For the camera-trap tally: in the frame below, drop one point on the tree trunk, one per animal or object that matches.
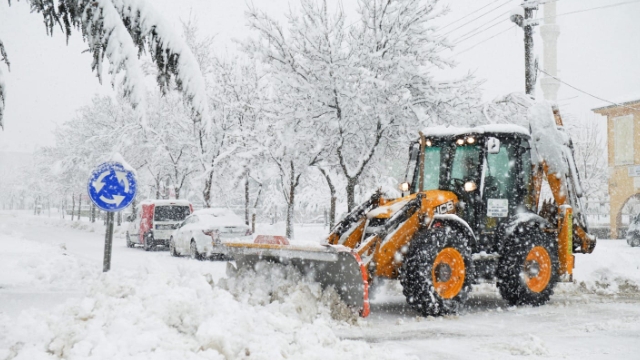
(93, 212)
(206, 193)
(79, 205)
(253, 222)
(332, 212)
(246, 199)
(332, 191)
(351, 193)
(291, 202)
(290, 210)
(176, 190)
(73, 205)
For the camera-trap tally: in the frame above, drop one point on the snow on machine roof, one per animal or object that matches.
(489, 128)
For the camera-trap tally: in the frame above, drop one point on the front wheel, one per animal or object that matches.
(437, 271)
(528, 266)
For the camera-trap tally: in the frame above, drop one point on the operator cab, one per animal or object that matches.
(488, 168)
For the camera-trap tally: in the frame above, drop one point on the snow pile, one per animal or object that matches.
(269, 314)
(29, 264)
(270, 283)
(612, 269)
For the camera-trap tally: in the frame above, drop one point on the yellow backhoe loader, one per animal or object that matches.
(470, 213)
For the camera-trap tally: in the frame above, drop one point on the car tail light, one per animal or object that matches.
(215, 236)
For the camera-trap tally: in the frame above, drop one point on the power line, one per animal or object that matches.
(586, 93)
(473, 32)
(476, 18)
(483, 41)
(469, 14)
(591, 9)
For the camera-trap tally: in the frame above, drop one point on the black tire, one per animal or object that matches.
(516, 276)
(147, 242)
(129, 243)
(172, 248)
(193, 251)
(417, 273)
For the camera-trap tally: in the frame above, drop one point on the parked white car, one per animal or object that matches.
(203, 233)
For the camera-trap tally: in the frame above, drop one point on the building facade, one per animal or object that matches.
(623, 147)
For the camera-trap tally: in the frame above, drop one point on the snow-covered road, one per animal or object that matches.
(56, 303)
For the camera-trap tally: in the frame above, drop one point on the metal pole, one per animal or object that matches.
(529, 62)
(108, 241)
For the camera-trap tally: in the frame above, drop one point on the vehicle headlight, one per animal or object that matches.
(404, 187)
(470, 186)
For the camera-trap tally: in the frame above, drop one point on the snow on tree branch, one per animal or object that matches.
(122, 30)
(169, 51)
(3, 89)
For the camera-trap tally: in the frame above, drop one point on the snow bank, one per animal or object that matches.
(83, 224)
(28, 264)
(271, 313)
(612, 269)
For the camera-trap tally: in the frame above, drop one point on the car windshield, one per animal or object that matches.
(171, 213)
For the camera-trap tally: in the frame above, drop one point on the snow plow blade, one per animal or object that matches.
(330, 265)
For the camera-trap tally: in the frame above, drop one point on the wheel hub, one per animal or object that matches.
(537, 269)
(532, 268)
(443, 272)
(448, 273)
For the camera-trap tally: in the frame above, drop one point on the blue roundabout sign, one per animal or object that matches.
(112, 187)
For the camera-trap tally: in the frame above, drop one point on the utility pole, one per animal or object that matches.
(524, 19)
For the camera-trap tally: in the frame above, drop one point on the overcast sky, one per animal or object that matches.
(598, 52)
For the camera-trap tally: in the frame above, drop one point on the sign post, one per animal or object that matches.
(108, 243)
(112, 188)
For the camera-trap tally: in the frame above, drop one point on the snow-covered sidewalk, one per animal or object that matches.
(56, 303)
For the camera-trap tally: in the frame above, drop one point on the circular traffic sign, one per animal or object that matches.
(111, 187)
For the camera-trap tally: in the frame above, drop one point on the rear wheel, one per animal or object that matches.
(147, 242)
(129, 243)
(194, 251)
(172, 247)
(437, 270)
(528, 267)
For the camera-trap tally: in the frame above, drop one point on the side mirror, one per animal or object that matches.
(493, 145)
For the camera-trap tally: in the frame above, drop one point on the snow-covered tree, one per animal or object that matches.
(590, 156)
(360, 84)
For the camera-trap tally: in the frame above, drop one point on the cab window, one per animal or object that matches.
(465, 163)
(431, 168)
(499, 179)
